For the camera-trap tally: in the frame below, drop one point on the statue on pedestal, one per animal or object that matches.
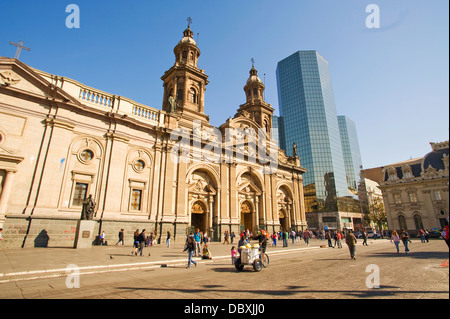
(87, 213)
(294, 149)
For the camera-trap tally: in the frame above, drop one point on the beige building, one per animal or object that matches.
(415, 192)
(162, 170)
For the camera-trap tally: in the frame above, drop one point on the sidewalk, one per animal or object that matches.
(19, 263)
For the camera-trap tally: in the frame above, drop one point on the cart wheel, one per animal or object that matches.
(238, 265)
(257, 265)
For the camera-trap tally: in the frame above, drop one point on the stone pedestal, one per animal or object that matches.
(85, 234)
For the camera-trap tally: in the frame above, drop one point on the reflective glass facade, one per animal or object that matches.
(351, 152)
(308, 112)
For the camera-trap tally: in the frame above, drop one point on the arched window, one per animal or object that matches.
(418, 221)
(192, 95)
(402, 222)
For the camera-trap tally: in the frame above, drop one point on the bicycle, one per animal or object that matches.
(266, 261)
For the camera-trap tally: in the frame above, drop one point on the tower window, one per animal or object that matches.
(192, 96)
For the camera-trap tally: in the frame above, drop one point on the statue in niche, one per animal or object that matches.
(87, 212)
(172, 104)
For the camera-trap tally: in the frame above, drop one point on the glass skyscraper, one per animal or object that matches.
(309, 118)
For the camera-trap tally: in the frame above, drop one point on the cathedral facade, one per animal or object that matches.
(163, 169)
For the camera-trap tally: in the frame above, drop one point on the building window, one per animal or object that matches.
(412, 197)
(418, 221)
(85, 156)
(402, 222)
(397, 199)
(79, 195)
(437, 195)
(139, 165)
(136, 199)
(192, 96)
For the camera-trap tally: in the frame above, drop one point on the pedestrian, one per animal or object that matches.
(141, 239)
(232, 236)
(191, 248)
(120, 238)
(135, 242)
(233, 255)
(197, 243)
(395, 238)
(405, 239)
(206, 253)
(427, 236)
(364, 237)
(306, 236)
(328, 237)
(102, 238)
(168, 239)
(242, 242)
(225, 235)
(274, 239)
(445, 234)
(293, 236)
(350, 240)
(422, 236)
(338, 239)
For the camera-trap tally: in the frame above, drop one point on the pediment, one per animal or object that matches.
(200, 187)
(249, 187)
(20, 78)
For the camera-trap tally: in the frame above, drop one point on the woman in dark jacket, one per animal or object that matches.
(191, 250)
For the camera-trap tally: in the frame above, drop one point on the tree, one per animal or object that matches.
(377, 213)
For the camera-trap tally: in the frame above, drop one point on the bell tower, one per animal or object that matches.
(255, 107)
(184, 83)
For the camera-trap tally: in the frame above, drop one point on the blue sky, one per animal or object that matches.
(392, 81)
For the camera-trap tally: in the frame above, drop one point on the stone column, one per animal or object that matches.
(6, 192)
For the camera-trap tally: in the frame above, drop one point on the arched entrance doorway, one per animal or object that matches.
(198, 216)
(285, 208)
(246, 216)
(284, 220)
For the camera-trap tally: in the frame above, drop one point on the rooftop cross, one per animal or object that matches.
(189, 20)
(253, 62)
(19, 48)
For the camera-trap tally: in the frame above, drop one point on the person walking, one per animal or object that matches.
(306, 236)
(405, 239)
(191, 248)
(135, 242)
(395, 238)
(120, 242)
(350, 240)
(422, 236)
(445, 235)
(225, 235)
(233, 255)
(198, 243)
(141, 239)
(338, 239)
(168, 239)
(364, 237)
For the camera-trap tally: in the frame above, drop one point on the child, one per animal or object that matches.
(233, 255)
(206, 252)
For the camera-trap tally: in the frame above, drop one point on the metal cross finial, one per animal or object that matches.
(19, 48)
(189, 20)
(253, 62)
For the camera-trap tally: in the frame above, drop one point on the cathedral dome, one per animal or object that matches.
(188, 37)
(254, 77)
